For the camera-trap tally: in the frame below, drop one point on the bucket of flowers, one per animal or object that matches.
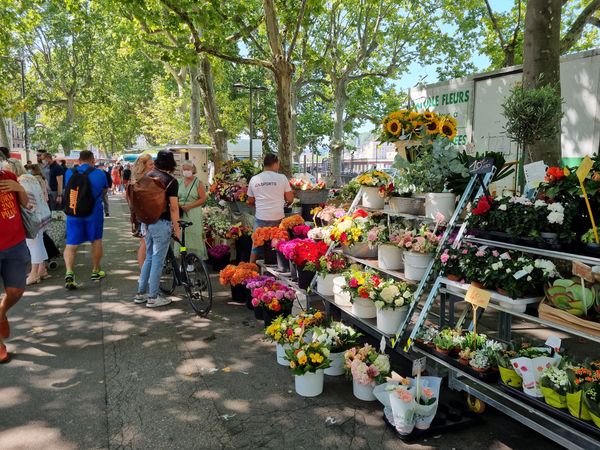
(263, 237)
(216, 221)
(309, 193)
(327, 214)
(392, 300)
(300, 231)
(351, 232)
(235, 276)
(328, 268)
(370, 183)
(306, 254)
(362, 287)
(274, 298)
(286, 250)
(367, 368)
(308, 362)
(288, 223)
(389, 248)
(338, 338)
(419, 246)
(241, 235)
(220, 256)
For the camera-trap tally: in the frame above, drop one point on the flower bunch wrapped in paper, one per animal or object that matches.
(269, 293)
(300, 184)
(391, 294)
(288, 223)
(307, 357)
(373, 178)
(529, 365)
(291, 329)
(268, 234)
(352, 229)
(366, 365)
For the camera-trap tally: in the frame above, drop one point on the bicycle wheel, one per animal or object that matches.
(198, 286)
(167, 277)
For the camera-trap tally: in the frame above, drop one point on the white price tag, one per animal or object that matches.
(554, 342)
(418, 366)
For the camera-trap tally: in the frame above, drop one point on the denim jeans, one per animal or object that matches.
(158, 239)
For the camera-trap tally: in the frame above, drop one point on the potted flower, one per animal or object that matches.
(426, 336)
(419, 246)
(403, 404)
(263, 236)
(581, 378)
(392, 300)
(362, 286)
(529, 363)
(235, 276)
(480, 361)
(400, 195)
(367, 369)
(306, 255)
(309, 193)
(426, 406)
(449, 263)
(389, 250)
(220, 256)
(508, 375)
(338, 338)
(592, 402)
(351, 232)
(241, 235)
(308, 362)
(370, 183)
(275, 298)
(589, 240)
(554, 384)
(328, 267)
(445, 341)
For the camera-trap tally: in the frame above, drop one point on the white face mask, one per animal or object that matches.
(187, 173)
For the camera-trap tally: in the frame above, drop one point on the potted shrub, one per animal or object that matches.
(426, 336)
(308, 362)
(338, 338)
(419, 246)
(370, 183)
(367, 369)
(306, 255)
(444, 341)
(392, 300)
(362, 286)
(328, 267)
(554, 384)
(220, 256)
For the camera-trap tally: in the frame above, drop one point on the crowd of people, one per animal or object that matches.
(30, 195)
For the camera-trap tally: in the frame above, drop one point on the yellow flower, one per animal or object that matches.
(428, 115)
(302, 360)
(413, 115)
(277, 336)
(452, 120)
(394, 127)
(292, 364)
(318, 315)
(416, 123)
(431, 127)
(447, 129)
(316, 358)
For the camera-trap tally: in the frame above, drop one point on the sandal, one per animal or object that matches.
(31, 281)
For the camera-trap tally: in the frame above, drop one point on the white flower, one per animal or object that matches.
(389, 293)
(556, 207)
(497, 265)
(529, 278)
(556, 217)
(528, 269)
(502, 207)
(379, 304)
(344, 225)
(399, 301)
(539, 203)
(382, 363)
(508, 271)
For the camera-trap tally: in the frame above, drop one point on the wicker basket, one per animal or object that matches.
(548, 312)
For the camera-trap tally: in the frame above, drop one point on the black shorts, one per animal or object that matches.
(14, 264)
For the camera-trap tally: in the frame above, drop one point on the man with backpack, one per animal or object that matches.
(85, 186)
(153, 201)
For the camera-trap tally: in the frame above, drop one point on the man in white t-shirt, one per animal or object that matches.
(269, 191)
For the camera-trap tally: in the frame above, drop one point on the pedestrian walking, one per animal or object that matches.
(85, 186)
(36, 171)
(102, 168)
(192, 196)
(143, 164)
(154, 201)
(55, 182)
(269, 191)
(126, 176)
(116, 178)
(14, 255)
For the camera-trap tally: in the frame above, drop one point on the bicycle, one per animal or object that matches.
(188, 271)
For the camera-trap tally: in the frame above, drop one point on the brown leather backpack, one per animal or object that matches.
(147, 199)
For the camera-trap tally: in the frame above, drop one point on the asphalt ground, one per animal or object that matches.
(93, 370)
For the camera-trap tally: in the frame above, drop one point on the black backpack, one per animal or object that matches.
(80, 200)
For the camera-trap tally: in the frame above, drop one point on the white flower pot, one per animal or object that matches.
(415, 265)
(389, 257)
(337, 364)
(389, 320)
(360, 250)
(363, 308)
(363, 391)
(281, 354)
(407, 205)
(340, 297)
(325, 284)
(371, 197)
(310, 384)
(441, 202)
(404, 414)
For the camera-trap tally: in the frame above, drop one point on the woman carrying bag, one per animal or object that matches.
(192, 196)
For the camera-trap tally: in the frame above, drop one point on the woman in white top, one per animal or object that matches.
(40, 207)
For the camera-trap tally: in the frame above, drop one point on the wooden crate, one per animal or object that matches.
(548, 312)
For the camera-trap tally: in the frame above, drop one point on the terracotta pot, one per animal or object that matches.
(464, 362)
(453, 277)
(442, 351)
(477, 284)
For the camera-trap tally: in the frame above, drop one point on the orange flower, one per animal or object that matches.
(290, 222)
(226, 274)
(554, 174)
(234, 275)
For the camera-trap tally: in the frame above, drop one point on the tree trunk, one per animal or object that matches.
(195, 107)
(70, 121)
(283, 90)
(337, 138)
(541, 57)
(4, 139)
(216, 132)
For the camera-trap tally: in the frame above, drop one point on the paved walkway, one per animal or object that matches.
(93, 370)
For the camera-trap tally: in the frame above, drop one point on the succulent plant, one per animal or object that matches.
(479, 360)
(571, 296)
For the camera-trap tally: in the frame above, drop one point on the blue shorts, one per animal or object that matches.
(85, 229)
(14, 262)
(258, 223)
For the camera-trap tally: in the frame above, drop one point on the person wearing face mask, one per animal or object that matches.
(192, 196)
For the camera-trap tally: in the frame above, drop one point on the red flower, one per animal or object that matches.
(363, 292)
(309, 251)
(554, 174)
(360, 213)
(343, 237)
(353, 283)
(483, 205)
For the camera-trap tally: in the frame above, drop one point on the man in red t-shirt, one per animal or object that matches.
(14, 254)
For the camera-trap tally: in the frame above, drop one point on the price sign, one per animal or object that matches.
(418, 366)
(584, 168)
(481, 166)
(478, 297)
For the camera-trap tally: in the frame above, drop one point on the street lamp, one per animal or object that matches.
(25, 126)
(250, 89)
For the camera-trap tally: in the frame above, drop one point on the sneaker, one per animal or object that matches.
(70, 283)
(140, 298)
(158, 301)
(98, 275)
(4, 355)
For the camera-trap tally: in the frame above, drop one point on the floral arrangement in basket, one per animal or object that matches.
(300, 184)
(337, 336)
(269, 293)
(219, 251)
(408, 124)
(362, 284)
(291, 329)
(332, 263)
(352, 229)
(235, 275)
(421, 240)
(237, 231)
(366, 366)
(268, 234)
(392, 294)
(373, 178)
(288, 223)
(308, 357)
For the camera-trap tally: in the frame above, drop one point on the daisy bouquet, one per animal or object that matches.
(308, 357)
(366, 366)
(393, 294)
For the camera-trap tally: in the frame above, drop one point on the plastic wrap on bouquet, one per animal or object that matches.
(530, 370)
(403, 408)
(424, 414)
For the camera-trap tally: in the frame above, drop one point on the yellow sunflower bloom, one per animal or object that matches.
(431, 127)
(428, 115)
(393, 127)
(447, 129)
(413, 115)
(452, 120)
(292, 364)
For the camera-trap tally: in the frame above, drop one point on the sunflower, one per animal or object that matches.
(428, 115)
(394, 127)
(395, 115)
(452, 120)
(431, 127)
(413, 115)
(416, 124)
(447, 129)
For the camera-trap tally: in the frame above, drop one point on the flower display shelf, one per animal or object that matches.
(487, 377)
(561, 432)
(391, 213)
(512, 304)
(451, 416)
(374, 264)
(561, 414)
